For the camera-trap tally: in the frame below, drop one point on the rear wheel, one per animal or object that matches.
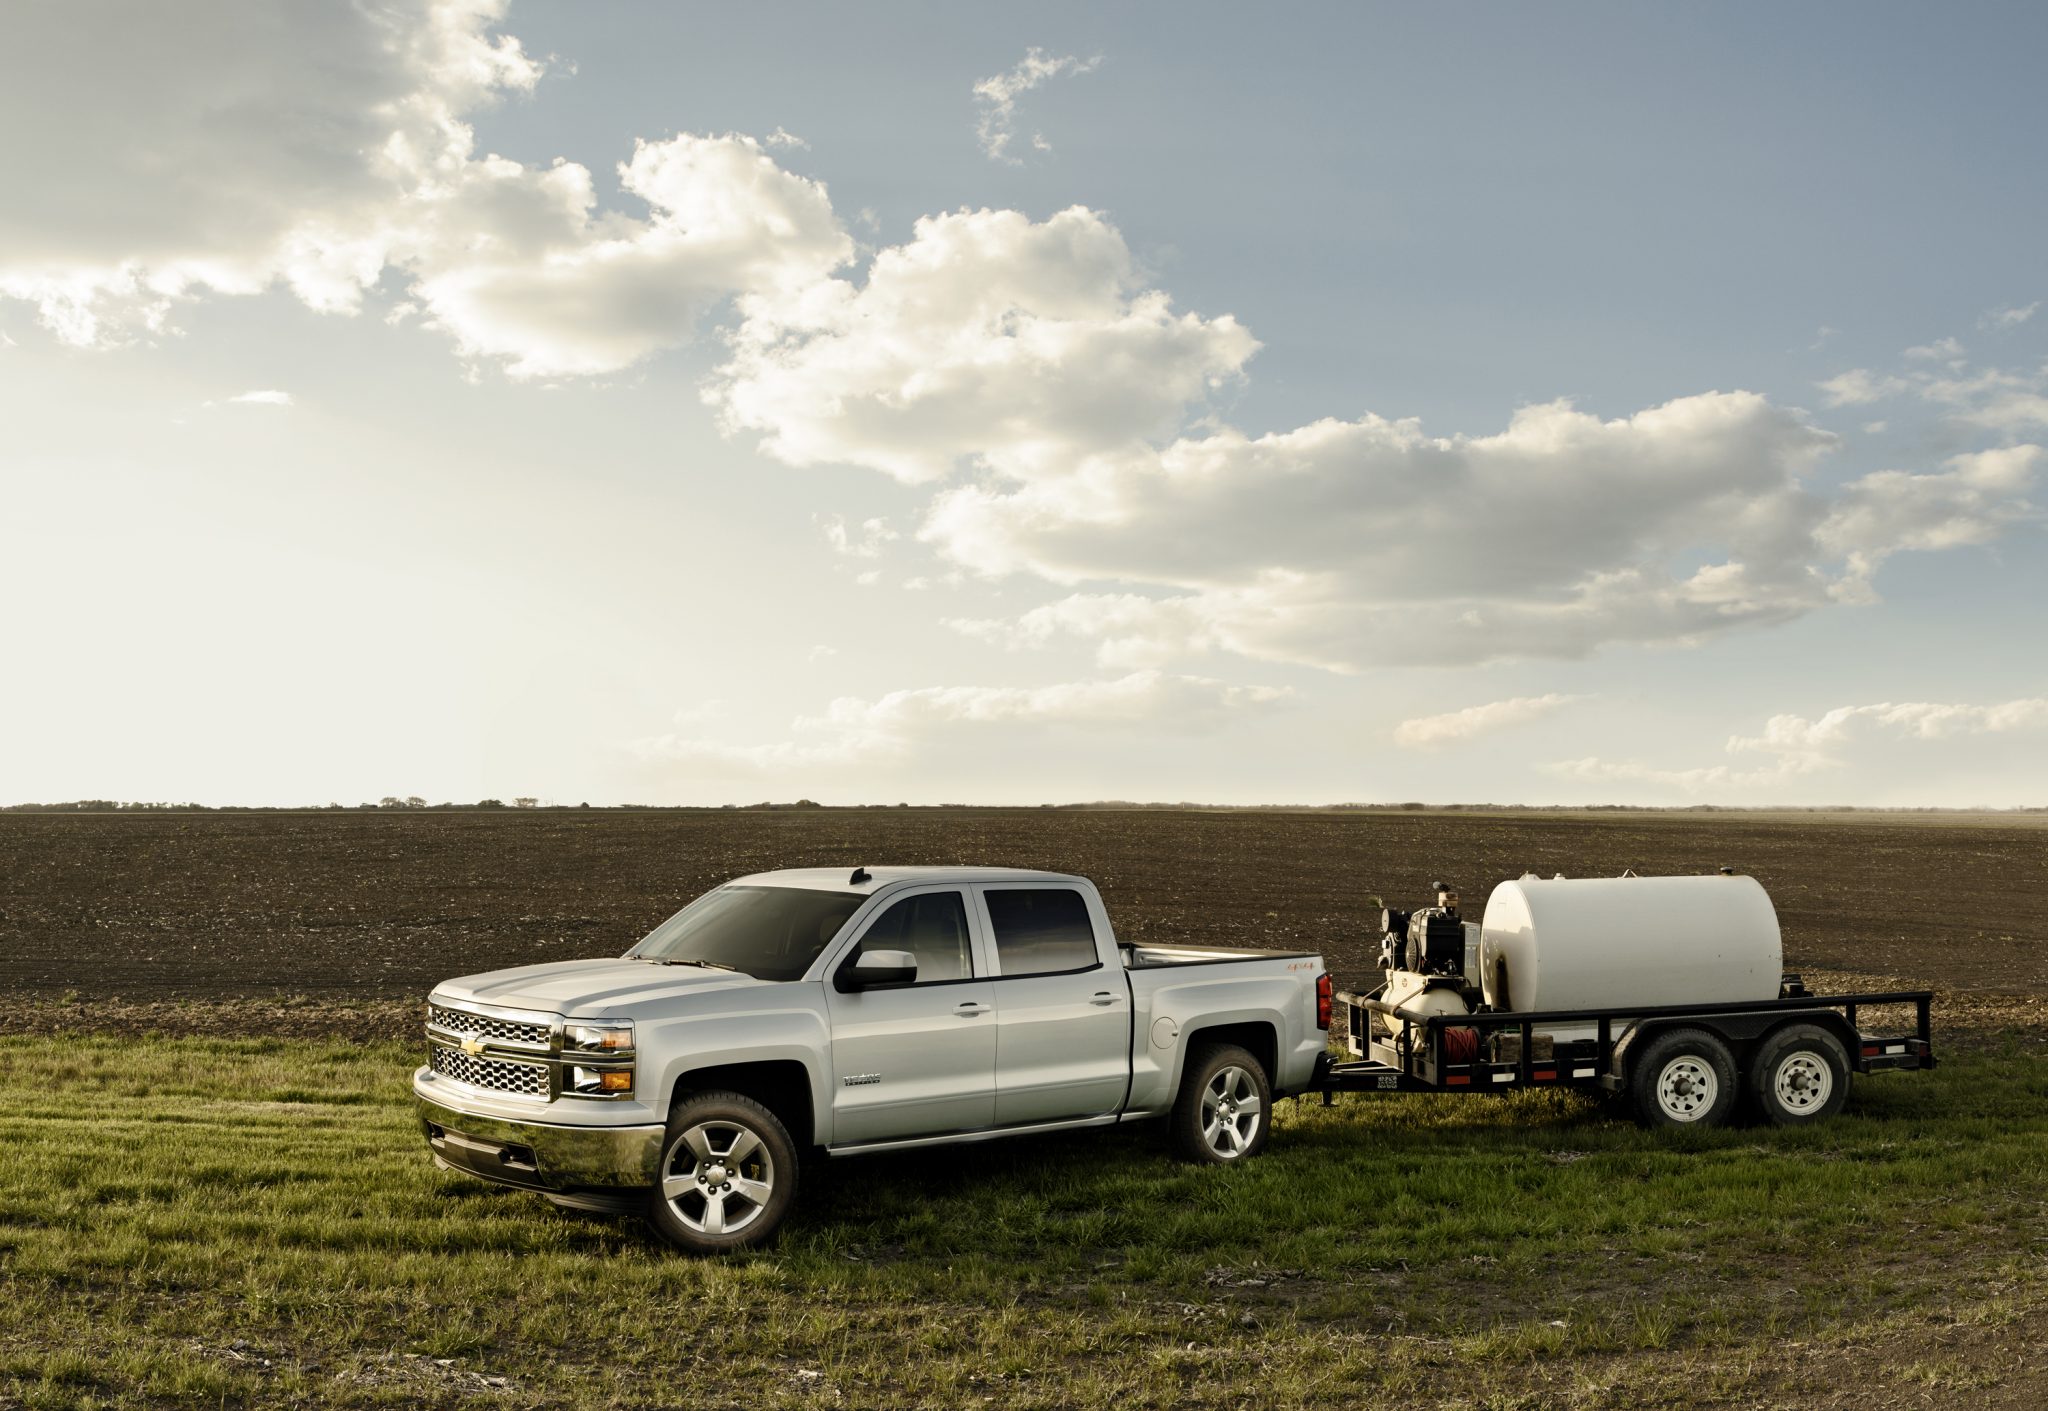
(1800, 1074)
(727, 1175)
(1684, 1078)
(1225, 1108)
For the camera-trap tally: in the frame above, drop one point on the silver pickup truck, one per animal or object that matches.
(812, 1009)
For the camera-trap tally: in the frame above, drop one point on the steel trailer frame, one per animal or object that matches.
(1383, 1063)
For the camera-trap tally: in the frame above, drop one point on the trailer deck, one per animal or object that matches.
(1390, 1062)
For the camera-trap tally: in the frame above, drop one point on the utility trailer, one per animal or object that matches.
(1778, 1047)
(1673, 1000)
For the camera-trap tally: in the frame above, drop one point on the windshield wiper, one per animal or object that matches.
(707, 964)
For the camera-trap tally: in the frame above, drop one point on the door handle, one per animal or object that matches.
(1104, 997)
(970, 1009)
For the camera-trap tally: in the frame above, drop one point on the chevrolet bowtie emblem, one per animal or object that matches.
(473, 1045)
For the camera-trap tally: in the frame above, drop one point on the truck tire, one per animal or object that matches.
(1683, 1078)
(1225, 1107)
(1800, 1074)
(726, 1177)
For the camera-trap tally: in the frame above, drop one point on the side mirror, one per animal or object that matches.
(876, 968)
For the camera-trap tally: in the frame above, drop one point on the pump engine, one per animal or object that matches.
(1427, 941)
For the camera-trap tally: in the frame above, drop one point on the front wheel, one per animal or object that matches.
(727, 1175)
(1684, 1078)
(1225, 1108)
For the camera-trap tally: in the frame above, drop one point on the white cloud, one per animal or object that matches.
(1990, 399)
(516, 264)
(864, 541)
(2011, 317)
(1431, 731)
(242, 144)
(1022, 344)
(1941, 350)
(1977, 498)
(997, 97)
(1922, 720)
(267, 398)
(1341, 544)
(781, 137)
(857, 731)
(1859, 387)
(1026, 366)
(227, 147)
(1803, 748)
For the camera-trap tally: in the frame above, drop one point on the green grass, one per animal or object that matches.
(189, 1221)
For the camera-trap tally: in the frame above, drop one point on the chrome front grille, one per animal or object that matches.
(537, 1033)
(499, 1075)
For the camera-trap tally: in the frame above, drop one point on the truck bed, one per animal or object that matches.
(1157, 957)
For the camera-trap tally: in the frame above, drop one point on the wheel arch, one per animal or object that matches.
(782, 1085)
(1258, 1037)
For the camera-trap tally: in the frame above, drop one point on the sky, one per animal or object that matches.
(692, 404)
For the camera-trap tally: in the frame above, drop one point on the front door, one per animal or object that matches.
(915, 1060)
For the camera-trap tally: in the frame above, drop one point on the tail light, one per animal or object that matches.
(1323, 996)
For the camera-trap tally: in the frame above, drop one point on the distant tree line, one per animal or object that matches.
(413, 803)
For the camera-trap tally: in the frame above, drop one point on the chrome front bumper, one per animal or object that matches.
(538, 1156)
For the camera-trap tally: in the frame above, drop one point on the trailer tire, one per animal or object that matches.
(1800, 1074)
(1683, 1078)
(727, 1175)
(1225, 1108)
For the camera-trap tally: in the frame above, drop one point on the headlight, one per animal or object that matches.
(598, 1038)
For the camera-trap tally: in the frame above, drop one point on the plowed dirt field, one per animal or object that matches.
(361, 907)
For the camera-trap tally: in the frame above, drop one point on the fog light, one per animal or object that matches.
(607, 1081)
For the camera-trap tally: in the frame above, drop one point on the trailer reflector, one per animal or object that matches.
(1457, 1080)
(1503, 1077)
(1543, 1075)
(1582, 1072)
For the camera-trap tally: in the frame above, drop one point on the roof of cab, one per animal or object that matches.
(835, 879)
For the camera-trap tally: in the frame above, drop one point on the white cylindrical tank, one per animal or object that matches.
(1617, 942)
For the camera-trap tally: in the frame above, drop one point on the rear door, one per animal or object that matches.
(916, 1060)
(1063, 1021)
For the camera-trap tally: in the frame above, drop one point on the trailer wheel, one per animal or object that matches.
(727, 1175)
(1225, 1107)
(1683, 1078)
(1800, 1074)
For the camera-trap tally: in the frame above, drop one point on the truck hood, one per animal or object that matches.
(592, 988)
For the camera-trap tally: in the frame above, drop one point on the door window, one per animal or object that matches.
(1040, 930)
(933, 927)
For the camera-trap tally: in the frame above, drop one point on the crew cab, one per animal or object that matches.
(851, 1013)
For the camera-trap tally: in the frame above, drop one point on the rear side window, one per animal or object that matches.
(1041, 931)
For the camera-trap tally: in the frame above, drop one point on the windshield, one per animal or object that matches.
(770, 933)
